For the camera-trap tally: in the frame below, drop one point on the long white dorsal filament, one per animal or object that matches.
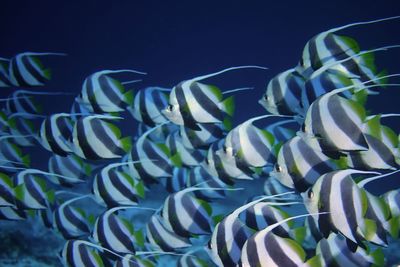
(199, 78)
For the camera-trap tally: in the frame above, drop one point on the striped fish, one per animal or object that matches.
(224, 170)
(71, 166)
(148, 104)
(132, 261)
(94, 138)
(23, 131)
(382, 148)
(103, 94)
(347, 204)
(198, 175)
(116, 188)
(4, 78)
(189, 157)
(191, 102)
(283, 94)
(186, 215)
(261, 215)
(161, 163)
(117, 233)
(392, 198)
(11, 155)
(7, 195)
(31, 191)
(299, 165)
(78, 110)
(161, 237)
(178, 180)
(55, 133)
(159, 134)
(71, 221)
(12, 214)
(229, 236)
(22, 101)
(249, 145)
(203, 138)
(327, 47)
(25, 69)
(333, 251)
(272, 186)
(265, 248)
(77, 253)
(334, 123)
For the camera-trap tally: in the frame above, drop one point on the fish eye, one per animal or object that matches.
(278, 167)
(310, 193)
(266, 97)
(303, 127)
(207, 161)
(170, 107)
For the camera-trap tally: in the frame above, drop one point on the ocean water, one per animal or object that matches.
(172, 41)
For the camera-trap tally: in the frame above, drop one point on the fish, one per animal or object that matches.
(229, 236)
(264, 248)
(117, 188)
(299, 165)
(333, 251)
(12, 214)
(191, 102)
(198, 175)
(382, 147)
(95, 138)
(56, 132)
(11, 155)
(336, 192)
(4, 77)
(147, 105)
(327, 47)
(161, 237)
(249, 145)
(116, 233)
(189, 157)
(283, 94)
(7, 194)
(71, 166)
(26, 70)
(178, 180)
(77, 253)
(186, 215)
(72, 221)
(102, 94)
(203, 138)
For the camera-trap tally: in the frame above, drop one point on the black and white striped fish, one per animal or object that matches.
(191, 102)
(334, 123)
(25, 69)
(117, 233)
(4, 77)
(161, 163)
(12, 214)
(178, 181)
(299, 165)
(198, 175)
(338, 194)
(160, 236)
(382, 148)
(11, 155)
(112, 187)
(7, 194)
(132, 261)
(203, 138)
(23, 131)
(160, 132)
(55, 133)
(334, 251)
(148, 104)
(392, 198)
(186, 215)
(103, 94)
(189, 157)
(249, 145)
(71, 166)
(265, 249)
(77, 253)
(71, 221)
(261, 215)
(229, 236)
(327, 47)
(94, 138)
(283, 94)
